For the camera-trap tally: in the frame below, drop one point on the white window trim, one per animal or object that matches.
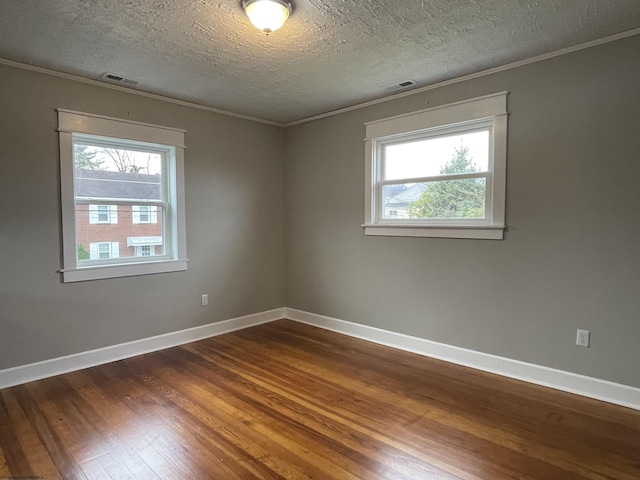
(70, 122)
(491, 107)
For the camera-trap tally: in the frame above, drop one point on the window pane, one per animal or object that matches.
(102, 172)
(103, 213)
(459, 153)
(144, 214)
(104, 250)
(122, 236)
(442, 199)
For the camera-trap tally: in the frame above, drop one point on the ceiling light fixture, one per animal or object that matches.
(267, 15)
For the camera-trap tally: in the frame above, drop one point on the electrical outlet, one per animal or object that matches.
(205, 300)
(583, 338)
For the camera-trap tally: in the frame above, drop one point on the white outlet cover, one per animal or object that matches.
(583, 338)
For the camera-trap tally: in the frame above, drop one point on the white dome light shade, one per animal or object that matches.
(267, 15)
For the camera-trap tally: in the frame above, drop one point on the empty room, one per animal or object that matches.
(304, 239)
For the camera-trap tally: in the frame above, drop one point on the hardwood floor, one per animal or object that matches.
(285, 400)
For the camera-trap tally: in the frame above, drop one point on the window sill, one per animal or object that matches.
(116, 271)
(480, 232)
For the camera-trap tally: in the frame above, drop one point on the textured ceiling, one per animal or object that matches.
(330, 54)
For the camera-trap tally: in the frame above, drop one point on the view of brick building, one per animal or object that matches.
(117, 230)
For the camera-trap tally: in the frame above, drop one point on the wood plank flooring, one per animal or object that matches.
(289, 401)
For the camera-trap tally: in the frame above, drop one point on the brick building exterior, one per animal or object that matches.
(110, 231)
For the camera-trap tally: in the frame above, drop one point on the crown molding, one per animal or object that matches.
(155, 96)
(471, 76)
(452, 81)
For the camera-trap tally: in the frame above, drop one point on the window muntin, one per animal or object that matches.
(439, 172)
(83, 198)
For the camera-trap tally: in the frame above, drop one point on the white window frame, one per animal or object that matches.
(122, 133)
(487, 111)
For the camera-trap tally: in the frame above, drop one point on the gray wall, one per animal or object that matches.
(571, 257)
(235, 225)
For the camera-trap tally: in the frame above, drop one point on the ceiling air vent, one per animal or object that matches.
(113, 78)
(399, 86)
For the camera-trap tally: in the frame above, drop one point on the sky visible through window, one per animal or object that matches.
(120, 159)
(425, 158)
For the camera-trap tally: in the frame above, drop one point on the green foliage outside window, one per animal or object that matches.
(462, 198)
(82, 253)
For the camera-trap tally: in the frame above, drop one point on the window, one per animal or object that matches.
(104, 250)
(121, 183)
(103, 214)
(439, 172)
(145, 251)
(144, 214)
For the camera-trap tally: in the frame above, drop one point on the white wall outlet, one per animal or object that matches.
(205, 300)
(583, 338)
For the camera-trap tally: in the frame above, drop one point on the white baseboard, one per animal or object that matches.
(616, 393)
(560, 380)
(49, 368)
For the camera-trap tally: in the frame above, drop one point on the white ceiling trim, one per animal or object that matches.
(464, 78)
